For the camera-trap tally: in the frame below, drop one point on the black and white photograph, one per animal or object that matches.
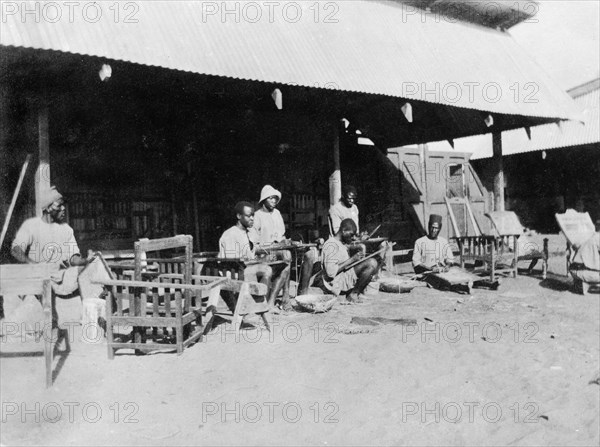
(300, 223)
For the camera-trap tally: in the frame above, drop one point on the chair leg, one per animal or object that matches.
(48, 353)
(544, 268)
(179, 338)
(237, 324)
(266, 321)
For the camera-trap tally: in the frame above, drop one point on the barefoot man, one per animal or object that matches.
(338, 274)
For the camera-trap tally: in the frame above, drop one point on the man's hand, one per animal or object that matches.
(364, 236)
(358, 256)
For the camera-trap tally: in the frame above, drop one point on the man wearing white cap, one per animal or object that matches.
(269, 228)
(48, 239)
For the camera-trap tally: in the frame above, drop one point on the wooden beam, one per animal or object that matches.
(335, 179)
(42, 174)
(191, 178)
(498, 172)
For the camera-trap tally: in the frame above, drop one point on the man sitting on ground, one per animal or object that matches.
(432, 253)
(585, 267)
(268, 229)
(344, 209)
(338, 275)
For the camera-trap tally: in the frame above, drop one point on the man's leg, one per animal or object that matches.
(279, 283)
(364, 272)
(260, 273)
(308, 262)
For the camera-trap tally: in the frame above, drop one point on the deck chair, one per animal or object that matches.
(577, 228)
(31, 279)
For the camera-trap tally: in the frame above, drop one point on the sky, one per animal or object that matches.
(563, 38)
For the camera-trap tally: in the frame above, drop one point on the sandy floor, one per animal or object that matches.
(511, 367)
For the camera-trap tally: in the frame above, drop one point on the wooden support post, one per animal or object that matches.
(335, 179)
(498, 172)
(195, 208)
(5, 190)
(424, 184)
(42, 174)
(173, 211)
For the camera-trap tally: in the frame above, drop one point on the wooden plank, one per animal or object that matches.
(505, 223)
(20, 287)
(577, 227)
(452, 218)
(472, 217)
(145, 321)
(158, 285)
(13, 201)
(27, 271)
(232, 285)
(163, 243)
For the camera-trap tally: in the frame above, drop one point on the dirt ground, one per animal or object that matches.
(517, 366)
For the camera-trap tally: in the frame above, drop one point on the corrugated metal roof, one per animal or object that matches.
(361, 46)
(544, 137)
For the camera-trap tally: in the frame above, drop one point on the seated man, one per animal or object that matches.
(432, 253)
(269, 228)
(585, 267)
(235, 243)
(49, 239)
(337, 275)
(344, 209)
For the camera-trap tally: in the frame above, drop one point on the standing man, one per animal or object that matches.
(49, 239)
(337, 275)
(268, 224)
(432, 253)
(268, 229)
(344, 209)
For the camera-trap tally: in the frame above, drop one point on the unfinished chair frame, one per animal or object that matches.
(34, 279)
(489, 250)
(187, 306)
(151, 305)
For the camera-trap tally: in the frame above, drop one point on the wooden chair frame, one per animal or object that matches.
(157, 305)
(34, 279)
